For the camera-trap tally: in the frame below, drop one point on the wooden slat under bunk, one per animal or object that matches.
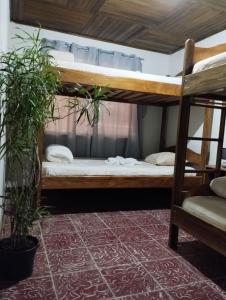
(98, 182)
(207, 84)
(127, 90)
(210, 83)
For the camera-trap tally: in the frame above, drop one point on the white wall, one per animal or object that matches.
(154, 63)
(4, 32)
(175, 66)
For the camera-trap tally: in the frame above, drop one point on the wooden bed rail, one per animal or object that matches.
(206, 84)
(203, 53)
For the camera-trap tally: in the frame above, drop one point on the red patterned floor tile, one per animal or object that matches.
(82, 215)
(87, 285)
(131, 234)
(219, 284)
(109, 214)
(117, 221)
(62, 241)
(165, 241)
(111, 255)
(157, 231)
(163, 215)
(60, 217)
(86, 222)
(157, 295)
(98, 237)
(144, 220)
(70, 260)
(30, 289)
(198, 291)
(41, 267)
(50, 226)
(147, 250)
(130, 279)
(135, 212)
(171, 272)
(40, 244)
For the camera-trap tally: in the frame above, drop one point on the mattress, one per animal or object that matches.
(97, 167)
(210, 62)
(117, 72)
(64, 62)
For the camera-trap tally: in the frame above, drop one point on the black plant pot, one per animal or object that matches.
(16, 265)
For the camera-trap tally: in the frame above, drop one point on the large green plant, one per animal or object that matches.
(29, 82)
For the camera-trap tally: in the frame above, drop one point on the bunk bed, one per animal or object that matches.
(202, 216)
(132, 87)
(123, 86)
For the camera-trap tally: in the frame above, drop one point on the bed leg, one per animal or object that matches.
(173, 236)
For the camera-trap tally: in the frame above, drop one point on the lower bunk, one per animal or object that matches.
(95, 173)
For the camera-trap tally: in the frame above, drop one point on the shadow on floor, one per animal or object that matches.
(72, 201)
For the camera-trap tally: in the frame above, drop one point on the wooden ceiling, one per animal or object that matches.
(156, 25)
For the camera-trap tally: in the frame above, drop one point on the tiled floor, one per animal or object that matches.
(119, 255)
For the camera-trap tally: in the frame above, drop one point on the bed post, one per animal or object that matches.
(220, 142)
(207, 125)
(162, 142)
(181, 145)
(39, 166)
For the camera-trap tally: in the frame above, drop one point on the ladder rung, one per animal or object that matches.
(203, 139)
(201, 171)
(208, 106)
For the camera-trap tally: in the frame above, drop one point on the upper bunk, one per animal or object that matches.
(206, 77)
(140, 88)
(122, 85)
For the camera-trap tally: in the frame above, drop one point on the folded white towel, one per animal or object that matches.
(119, 160)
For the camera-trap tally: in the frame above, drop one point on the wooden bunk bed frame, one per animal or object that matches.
(205, 89)
(129, 90)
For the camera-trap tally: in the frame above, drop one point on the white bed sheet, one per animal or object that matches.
(210, 62)
(118, 72)
(97, 167)
(202, 65)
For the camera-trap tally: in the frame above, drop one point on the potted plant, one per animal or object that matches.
(29, 82)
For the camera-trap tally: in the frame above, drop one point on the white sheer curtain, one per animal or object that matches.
(117, 131)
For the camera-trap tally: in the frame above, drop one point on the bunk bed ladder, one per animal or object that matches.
(183, 138)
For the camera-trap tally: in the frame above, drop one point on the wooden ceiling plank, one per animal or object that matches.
(17, 9)
(154, 25)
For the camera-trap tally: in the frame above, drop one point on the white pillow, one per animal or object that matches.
(218, 186)
(161, 158)
(59, 153)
